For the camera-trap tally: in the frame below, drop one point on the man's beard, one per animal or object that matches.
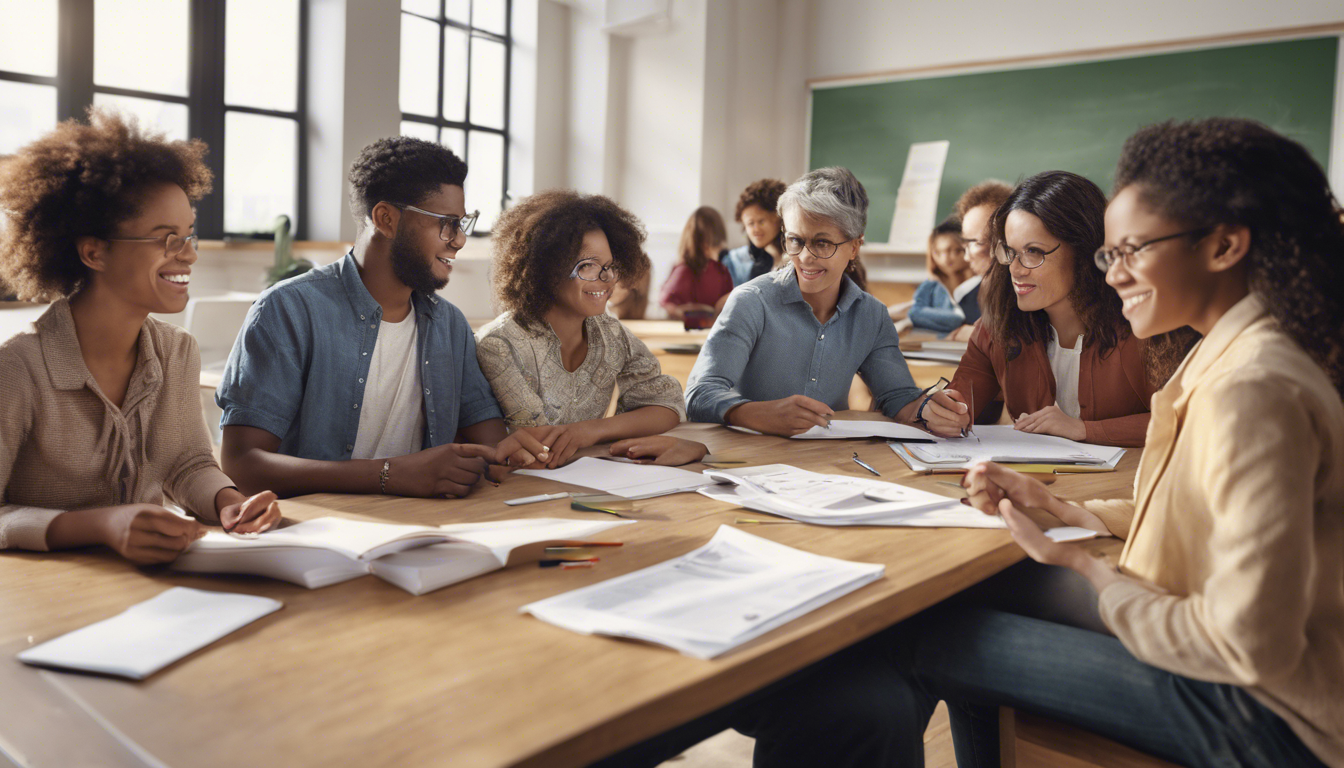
(412, 268)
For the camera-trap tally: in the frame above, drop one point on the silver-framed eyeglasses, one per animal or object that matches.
(449, 226)
(820, 247)
(592, 271)
(173, 244)
(1030, 257)
(1106, 257)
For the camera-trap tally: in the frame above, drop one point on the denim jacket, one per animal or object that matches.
(298, 367)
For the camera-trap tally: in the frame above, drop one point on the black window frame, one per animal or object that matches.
(206, 108)
(466, 125)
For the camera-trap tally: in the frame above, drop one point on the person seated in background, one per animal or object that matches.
(554, 357)
(356, 377)
(756, 212)
(974, 208)
(699, 284)
(100, 409)
(629, 298)
(1053, 341)
(938, 304)
(783, 354)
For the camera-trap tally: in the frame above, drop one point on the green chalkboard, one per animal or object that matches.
(1074, 117)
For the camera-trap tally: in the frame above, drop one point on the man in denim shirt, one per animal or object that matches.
(355, 377)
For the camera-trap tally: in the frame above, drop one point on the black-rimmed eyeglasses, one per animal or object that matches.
(449, 226)
(821, 247)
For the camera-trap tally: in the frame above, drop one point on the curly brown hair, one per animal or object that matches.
(1239, 172)
(989, 192)
(82, 180)
(764, 193)
(537, 241)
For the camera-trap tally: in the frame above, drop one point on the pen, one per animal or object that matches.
(542, 497)
(590, 508)
(865, 464)
(584, 544)
(565, 565)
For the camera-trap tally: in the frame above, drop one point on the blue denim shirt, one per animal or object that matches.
(298, 367)
(767, 345)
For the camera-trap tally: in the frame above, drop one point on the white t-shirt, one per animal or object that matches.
(392, 416)
(1064, 363)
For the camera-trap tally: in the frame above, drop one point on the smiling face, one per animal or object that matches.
(761, 226)
(1166, 285)
(949, 254)
(818, 276)
(1051, 282)
(587, 298)
(975, 237)
(420, 258)
(140, 273)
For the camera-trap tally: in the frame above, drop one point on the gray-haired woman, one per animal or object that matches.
(782, 355)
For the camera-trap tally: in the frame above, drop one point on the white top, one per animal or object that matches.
(392, 416)
(1064, 364)
(966, 287)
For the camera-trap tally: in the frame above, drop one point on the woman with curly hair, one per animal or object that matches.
(100, 411)
(756, 212)
(1052, 340)
(554, 357)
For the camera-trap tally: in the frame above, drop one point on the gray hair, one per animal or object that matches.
(832, 194)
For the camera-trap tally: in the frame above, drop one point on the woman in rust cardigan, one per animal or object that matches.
(1052, 340)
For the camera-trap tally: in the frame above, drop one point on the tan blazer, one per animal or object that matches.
(1236, 532)
(1113, 390)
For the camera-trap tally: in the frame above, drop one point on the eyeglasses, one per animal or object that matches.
(1105, 257)
(1031, 257)
(173, 244)
(450, 226)
(821, 248)
(593, 271)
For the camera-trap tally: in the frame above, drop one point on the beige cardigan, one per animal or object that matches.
(64, 446)
(1236, 531)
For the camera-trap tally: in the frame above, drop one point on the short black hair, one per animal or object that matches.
(402, 170)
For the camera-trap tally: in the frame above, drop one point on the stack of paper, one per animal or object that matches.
(813, 497)
(937, 351)
(149, 636)
(732, 590)
(629, 481)
(1005, 445)
(858, 430)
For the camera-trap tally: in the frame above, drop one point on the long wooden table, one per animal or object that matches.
(362, 673)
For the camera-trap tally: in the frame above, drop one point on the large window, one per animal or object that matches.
(229, 72)
(455, 89)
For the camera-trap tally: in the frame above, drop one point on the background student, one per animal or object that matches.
(355, 377)
(1053, 341)
(756, 212)
(938, 303)
(784, 352)
(100, 411)
(554, 357)
(698, 282)
(974, 208)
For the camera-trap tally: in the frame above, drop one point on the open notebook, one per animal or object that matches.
(1003, 444)
(419, 559)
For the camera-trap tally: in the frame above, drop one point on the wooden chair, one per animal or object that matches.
(1031, 741)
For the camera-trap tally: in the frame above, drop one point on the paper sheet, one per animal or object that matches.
(629, 481)
(1004, 444)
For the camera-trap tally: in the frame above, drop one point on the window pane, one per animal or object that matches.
(459, 10)
(260, 170)
(28, 46)
(423, 7)
(456, 140)
(454, 73)
(261, 63)
(164, 115)
(420, 131)
(419, 65)
(487, 83)
(26, 112)
(485, 176)
(489, 15)
(141, 44)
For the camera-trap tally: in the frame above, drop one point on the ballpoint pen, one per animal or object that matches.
(865, 464)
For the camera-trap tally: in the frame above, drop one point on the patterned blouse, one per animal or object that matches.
(533, 388)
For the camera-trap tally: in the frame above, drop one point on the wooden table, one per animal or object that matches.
(362, 673)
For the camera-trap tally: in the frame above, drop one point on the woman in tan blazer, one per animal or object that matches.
(1052, 341)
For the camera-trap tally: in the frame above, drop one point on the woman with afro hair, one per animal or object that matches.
(100, 412)
(554, 357)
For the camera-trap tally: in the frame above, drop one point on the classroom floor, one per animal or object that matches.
(731, 749)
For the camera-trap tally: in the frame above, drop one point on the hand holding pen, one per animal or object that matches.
(942, 411)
